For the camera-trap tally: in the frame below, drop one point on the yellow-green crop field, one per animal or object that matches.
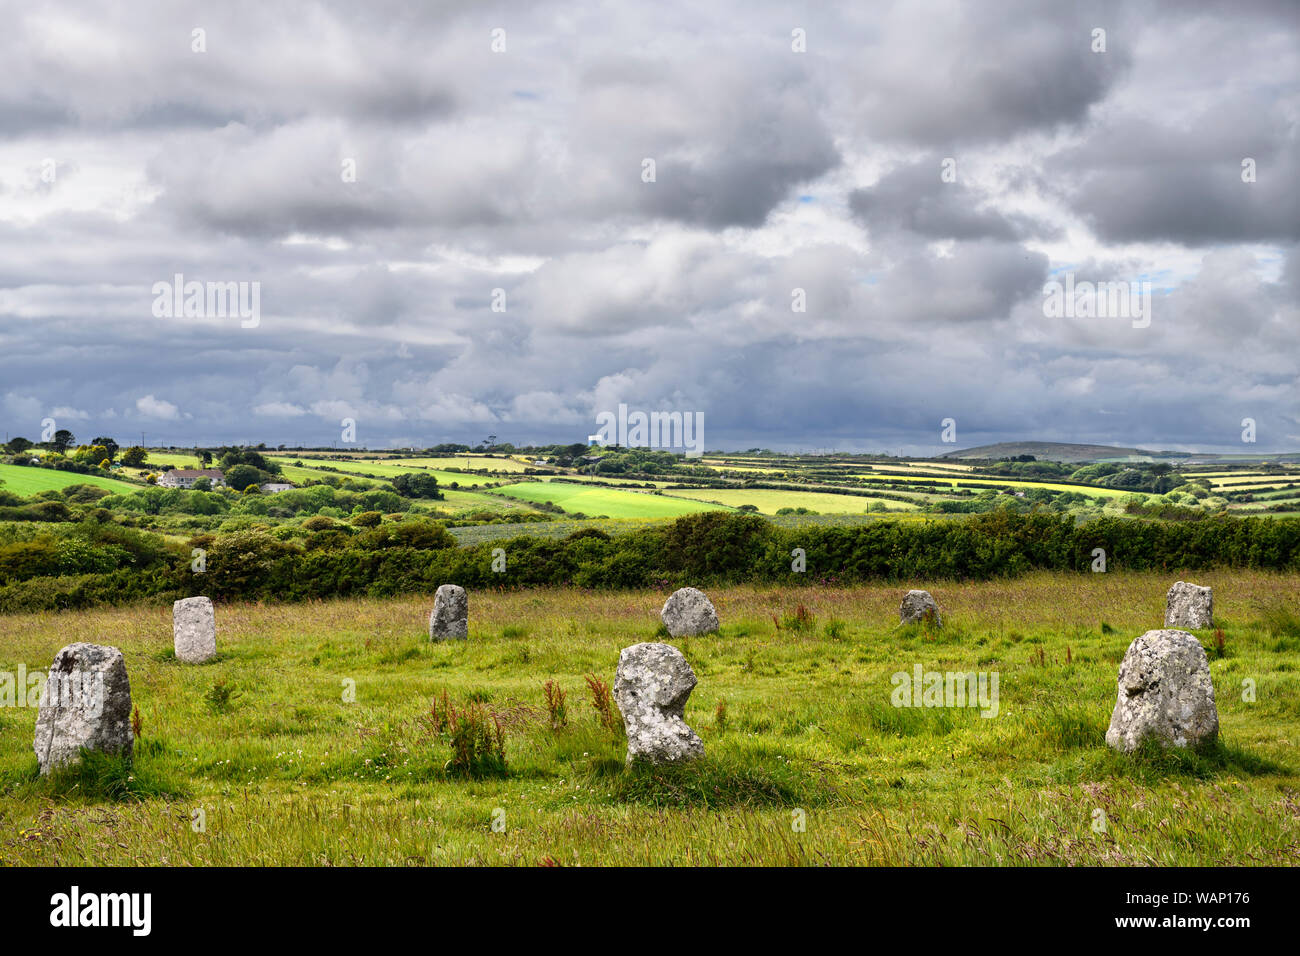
(611, 502)
(770, 501)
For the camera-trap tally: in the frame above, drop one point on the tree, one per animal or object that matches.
(417, 485)
(110, 446)
(63, 439)
(205, 457)
(240, 477)
(18, 444)
(203, 484)
(135, 457)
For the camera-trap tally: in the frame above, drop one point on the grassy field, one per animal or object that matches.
(979, 483)
(495, 463)
(456, 502)
(610, 502)
(796, 719)
(22, 480)
(313, 470)
(769, 501)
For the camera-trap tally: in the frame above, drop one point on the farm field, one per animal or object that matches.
(770, 501)
(611, 502)
(495, 463)
(796, 719)
(975, 482)
(312, 470)
(456, 501)
(24, 480)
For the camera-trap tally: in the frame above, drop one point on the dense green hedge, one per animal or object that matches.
(704, 549)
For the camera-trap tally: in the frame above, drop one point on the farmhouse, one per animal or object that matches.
(271, 487)
(185, 477)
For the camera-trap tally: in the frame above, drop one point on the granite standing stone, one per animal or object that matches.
(450, 617)
(1189, 605)
(688, 612)
(86, 703)
(194, 630)
(919, 606)
(1165, 694)
(651, 688)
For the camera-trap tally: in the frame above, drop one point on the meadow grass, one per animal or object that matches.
(609, 502)
(807, 760)
(25, 480)
(769, 501)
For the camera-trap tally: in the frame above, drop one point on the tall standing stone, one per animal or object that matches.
(450, 617)
(651, 688)
(194, 630)
(919, 606)
(1189, 605)
(1164, 693)
(688, 612)
(86, 703)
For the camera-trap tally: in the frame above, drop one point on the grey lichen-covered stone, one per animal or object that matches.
(651, 688)
(86, 703)
(194, 630)
(1165, 693)
(450, 617)
(688, 612)
(1189, 605)
(919, 606)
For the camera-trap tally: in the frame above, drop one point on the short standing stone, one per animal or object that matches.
(194, 630)
(688, 612)
(1165, 693)
(450, 617)
(1189, 605)
(86, 703)
(651, 688)
(919, 606)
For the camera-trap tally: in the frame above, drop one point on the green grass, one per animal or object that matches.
(457, 502)
(287, 771)
(314, 469)
(610, 502)
(24, 480)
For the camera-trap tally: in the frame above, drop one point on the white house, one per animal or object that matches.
(185, 477)
(271, 487)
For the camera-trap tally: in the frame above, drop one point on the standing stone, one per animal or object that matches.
(1165, 693)
(1189, 605)
(651, 688)
(194, 630)
(688, 612)
(919, 606)
(86, 702)
(450, 617)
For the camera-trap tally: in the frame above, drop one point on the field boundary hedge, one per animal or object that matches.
(710, 548)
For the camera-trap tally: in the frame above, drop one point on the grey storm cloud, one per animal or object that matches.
(499, 265)
(916, 199)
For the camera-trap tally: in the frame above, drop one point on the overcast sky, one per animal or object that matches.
(127, 157)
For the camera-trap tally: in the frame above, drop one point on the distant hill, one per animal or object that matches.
(1056, 451)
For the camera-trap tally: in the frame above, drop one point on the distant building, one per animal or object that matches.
(271, 487)
(593, 440)
(185, 477)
